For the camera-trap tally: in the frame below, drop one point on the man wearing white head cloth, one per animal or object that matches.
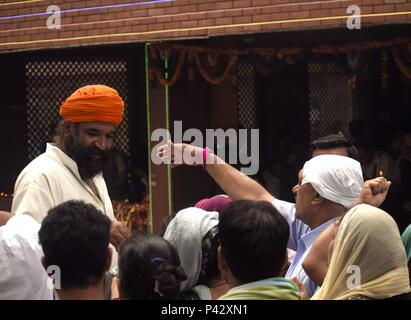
(328, 185)
(336, 178)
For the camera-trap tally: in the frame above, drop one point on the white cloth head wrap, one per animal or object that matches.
(22, 275)
(336, 178)
(186, 232)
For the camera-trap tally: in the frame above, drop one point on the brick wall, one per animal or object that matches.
(179, 19)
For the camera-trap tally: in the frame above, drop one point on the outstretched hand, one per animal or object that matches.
(180, 153)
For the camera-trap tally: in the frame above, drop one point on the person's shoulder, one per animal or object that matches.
(24, 226)
(284, 207)
(38, 168)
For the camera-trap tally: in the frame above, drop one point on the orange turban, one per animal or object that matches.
(93, 103)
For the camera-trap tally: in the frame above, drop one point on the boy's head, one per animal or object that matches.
(253, 242)
(75, 238)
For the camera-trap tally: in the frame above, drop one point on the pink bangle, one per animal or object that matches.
(206, 152)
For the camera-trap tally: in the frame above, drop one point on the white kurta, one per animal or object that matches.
(51, 179)
(22, 276)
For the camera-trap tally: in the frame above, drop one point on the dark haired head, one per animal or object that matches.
(75, 237)
(253, 238)
(334, 141)
(149, 268)
(330, 141)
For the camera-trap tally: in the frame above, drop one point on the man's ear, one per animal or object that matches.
(109, 258)
(66, 127)
(317, 199)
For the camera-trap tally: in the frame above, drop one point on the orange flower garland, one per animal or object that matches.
(133, 215)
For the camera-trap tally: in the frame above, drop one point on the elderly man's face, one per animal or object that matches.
(304, 194)
(88, 144)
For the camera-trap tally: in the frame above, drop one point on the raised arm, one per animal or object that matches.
(374, 191)
(235, 184)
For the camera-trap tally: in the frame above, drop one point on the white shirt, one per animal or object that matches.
(51, 179)
(22, 275)
(301, 240)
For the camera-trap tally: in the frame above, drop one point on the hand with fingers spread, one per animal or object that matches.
(374, 191)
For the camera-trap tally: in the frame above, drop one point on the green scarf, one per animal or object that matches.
(267, 289)
(406, 240)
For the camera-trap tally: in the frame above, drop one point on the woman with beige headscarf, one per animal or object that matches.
(367, 259)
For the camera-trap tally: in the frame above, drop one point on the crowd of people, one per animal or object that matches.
(62, 241)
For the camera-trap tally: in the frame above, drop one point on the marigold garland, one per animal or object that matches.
(133, 215)
(169, 82)
(215, 80)
(287, 54)
(212, 68)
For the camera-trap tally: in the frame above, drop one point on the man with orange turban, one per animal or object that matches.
(71, 168)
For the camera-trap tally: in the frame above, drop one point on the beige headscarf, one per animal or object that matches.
(368, 238)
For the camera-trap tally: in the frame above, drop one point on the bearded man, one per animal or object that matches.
(71, 168)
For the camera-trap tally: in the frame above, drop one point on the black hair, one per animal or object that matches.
(149, 268)
(253, 237)
(209, 263)
(335, 141)
(330, 141)
(75, 237)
